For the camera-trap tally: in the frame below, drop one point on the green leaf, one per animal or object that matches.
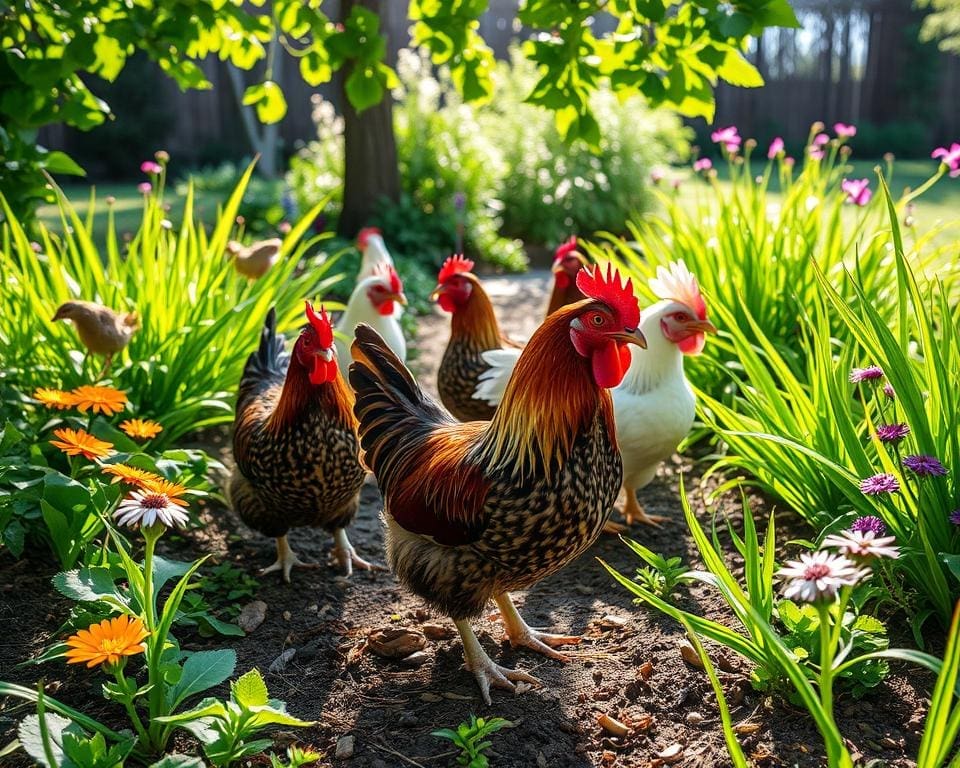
(61, 162)
(31, 738)
(249, 690)
(87, 584)
(364, 88)
(736, 70)
(178, 761)
(201, 670)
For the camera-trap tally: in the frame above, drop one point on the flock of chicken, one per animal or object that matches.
(510, 479)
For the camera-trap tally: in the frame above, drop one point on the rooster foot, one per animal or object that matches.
(521, 634)
(347, 557)
(485, 670)
(286, 560)
(615, 528)
(634, 513)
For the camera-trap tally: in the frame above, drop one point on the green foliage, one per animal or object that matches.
(942, 23)
(296, 757)
(943, 718)
(470, 738)
(200, 319)
(661, 575)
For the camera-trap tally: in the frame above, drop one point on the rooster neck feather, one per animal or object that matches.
(560, 297)
(334, 398)
(551, 399)
(476, 321)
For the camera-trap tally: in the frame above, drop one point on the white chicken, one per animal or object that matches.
(374, 301)
(654, 405)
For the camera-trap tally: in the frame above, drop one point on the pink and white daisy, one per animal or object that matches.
(862, 545)
(146, 507)
(818, 575)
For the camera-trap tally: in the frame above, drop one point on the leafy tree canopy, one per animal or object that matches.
(942, 23)
(673, 52)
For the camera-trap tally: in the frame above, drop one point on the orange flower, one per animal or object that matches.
(107, 642)
(105, 400)
(142, 428)
(54, 398)
(169, 489)
(129, 475)
(76, 442)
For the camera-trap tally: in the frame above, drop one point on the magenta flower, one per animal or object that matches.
(820, 139)
(955, 517)
(728, 136)
(869, 523)
(949, 157)
(858, 191)
(776, 148)
(892, 433)
(148, 166)
(144, 188)
(877, 484)
(925, 466)
(869, 373)
(656, 175)
(703, 164)
(815, 153)
(789, 162)
(888, 390)
(844, 131)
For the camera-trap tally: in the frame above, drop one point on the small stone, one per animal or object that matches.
(280, 663)
(613, 621)
(690, 655)
(671, 754)
(313, 608)
(344, 747)
(408, 720)
(583, 589)
(396, 642)
(416, 659)
(437, 631)
(541, 760)
(746, 728)
(287, 615)
(889, 743)
(252, 616)
(431, 697)
(694, 718)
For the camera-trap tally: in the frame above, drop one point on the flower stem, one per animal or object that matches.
(155, 643)
(826, 660)
(132, 710)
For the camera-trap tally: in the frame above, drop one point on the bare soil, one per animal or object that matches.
(390, 710)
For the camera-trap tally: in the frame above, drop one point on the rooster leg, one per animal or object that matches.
(521, 634)
(633, 512)
(106, 366)
(286, 559)
(483, 667)
(347, 556)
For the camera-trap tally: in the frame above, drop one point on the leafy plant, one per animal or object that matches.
(662, 575)
(470, 738)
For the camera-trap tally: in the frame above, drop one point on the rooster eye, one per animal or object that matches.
(596, 320)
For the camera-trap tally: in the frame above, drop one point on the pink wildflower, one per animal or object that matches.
(144, 188)
(858, 191)
(949, 157)
(148, 166)
(728, 136)
(776, 148)
(844, 131)
(703, 164)
(820, 139)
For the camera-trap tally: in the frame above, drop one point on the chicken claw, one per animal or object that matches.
(483, 667)
(633, 512)
(347, 556)
(521, 634)
(286, 560)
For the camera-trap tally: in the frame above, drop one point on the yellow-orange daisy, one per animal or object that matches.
(171, 490)
(54, 398)
(129, 475)
(77, 442)
(105, 400)
(107, 642)
(141, 428)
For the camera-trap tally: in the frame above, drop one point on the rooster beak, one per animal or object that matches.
(557, 269)
(636, 337)
(399, 298)
(436, 293)
(701, 326)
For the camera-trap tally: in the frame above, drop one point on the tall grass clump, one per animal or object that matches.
(200, 318)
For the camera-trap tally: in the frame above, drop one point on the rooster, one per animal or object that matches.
(252, 261)
(473, 332)
(654, 405)
(474, 511)
(374, 301)
(374, 251)
(101, 330)
(295, 443)
(567, 262)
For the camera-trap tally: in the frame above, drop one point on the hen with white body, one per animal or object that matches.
(374, 301)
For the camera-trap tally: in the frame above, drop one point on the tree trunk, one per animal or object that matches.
(371, 171)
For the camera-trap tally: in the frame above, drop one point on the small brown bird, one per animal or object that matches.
(101, 330)
(254, 260)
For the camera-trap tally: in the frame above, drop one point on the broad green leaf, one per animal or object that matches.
(201, 670)
(61, 162)
(89, 584)
(249, 690)
(736, 70)
(364, 88)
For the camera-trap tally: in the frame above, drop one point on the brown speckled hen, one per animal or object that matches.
(295, 443)
(473, 331)
(477, 510)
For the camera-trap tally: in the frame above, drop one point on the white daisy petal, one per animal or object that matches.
(144, 508)
(819, 575)
(863, 544)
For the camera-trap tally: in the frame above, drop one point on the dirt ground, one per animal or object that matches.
(390, 710)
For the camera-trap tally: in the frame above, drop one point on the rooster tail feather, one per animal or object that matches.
(268, 363)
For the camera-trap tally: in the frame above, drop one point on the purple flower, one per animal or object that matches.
(703, 164)
(820, 139)
(888, 390)
(892, 433)
(949, 157)
(776, 148)
(877, 484)
(925, 466)
(869, 523)
(866, 374)
(858, 191)
(148, 166)
(844, 131)
(955, 517)
(144, 187)
(728, 136)
(459, 201)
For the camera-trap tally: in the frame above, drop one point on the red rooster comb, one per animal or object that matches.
(677, 283)
(612, 291)
(363, 236)
(387, 271)
(321, 324)
(565, 249)
(454, 265)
